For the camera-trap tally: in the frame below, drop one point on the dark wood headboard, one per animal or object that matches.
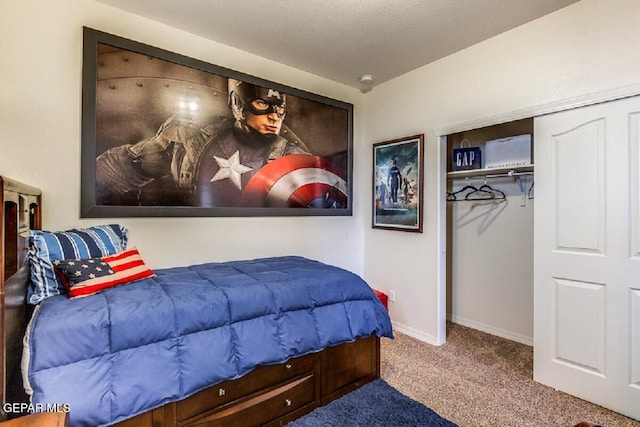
(21, 211)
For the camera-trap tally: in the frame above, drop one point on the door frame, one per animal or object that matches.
(441, 137)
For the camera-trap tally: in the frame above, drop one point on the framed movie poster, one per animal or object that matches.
(168, 135)
(397, 184)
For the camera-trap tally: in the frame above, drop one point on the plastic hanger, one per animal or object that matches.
(484, 192)
(497, 194)
(473, 193)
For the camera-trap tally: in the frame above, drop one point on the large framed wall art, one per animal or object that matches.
(397, 184)
(168, 135)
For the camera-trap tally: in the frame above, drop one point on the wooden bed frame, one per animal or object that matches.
(21, 211)
(269, 395)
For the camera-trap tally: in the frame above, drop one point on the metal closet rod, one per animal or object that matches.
(506, 174)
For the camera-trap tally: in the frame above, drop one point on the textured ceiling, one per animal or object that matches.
(344, 39)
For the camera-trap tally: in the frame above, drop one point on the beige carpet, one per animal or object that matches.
(477, 379)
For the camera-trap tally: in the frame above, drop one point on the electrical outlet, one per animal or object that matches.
(392, 296)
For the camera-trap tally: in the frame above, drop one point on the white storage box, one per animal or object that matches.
(508, 152)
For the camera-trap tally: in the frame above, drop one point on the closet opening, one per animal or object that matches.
(489, 235)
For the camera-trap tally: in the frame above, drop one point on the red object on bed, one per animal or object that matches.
(382, 297)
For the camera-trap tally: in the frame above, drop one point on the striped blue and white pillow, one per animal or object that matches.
(46, 247)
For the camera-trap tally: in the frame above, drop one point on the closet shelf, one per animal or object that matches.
(491, 172)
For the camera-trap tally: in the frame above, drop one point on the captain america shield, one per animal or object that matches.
(297, 180)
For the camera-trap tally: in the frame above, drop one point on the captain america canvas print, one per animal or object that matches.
(170, 136)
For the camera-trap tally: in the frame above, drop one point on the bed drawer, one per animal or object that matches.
(263, 407)
(259, 379)
(348, 366)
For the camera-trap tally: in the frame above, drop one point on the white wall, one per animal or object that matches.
(40, 125)
(579, 51)
(490, 249)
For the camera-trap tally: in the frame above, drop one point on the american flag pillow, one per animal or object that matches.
(84, 277)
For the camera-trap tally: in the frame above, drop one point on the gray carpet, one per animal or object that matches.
(477, 379)
(375, 404)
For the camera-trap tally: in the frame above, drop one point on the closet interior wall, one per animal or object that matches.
(490, 242)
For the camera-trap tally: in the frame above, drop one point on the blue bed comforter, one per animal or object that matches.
(136, 347)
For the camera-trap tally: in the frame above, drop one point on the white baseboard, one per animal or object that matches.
(414, 333)
(522, 339)
(430, 339)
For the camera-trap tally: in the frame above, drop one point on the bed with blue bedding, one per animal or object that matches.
(131, 350)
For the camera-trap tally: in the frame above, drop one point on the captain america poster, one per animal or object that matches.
(166, 135)
(397, 184)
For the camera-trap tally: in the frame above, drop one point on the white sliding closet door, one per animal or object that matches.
(587, 254)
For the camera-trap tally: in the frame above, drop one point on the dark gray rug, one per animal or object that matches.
(374, 404)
